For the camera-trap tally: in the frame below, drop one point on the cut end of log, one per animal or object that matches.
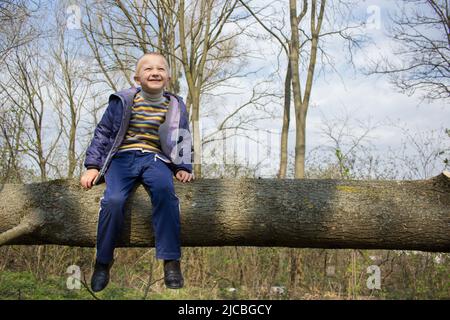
(443, 178)
(446, 174)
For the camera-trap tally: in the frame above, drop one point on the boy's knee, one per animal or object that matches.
(164, 189)
(114, 200)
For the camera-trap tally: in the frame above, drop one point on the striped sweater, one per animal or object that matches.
(142, 133)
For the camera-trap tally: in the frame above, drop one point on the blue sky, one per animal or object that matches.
(338, 91)
(347, 92)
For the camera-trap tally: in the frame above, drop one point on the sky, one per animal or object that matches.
(347, 91)
(340, 90)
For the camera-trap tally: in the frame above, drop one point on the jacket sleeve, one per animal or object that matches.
(185, 141)
(102, 133)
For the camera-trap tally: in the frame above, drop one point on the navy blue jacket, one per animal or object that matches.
(174, 134)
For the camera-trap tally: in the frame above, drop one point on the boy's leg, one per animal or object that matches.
(158, 180)
(120, 180)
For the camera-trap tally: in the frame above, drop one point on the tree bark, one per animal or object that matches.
(285, 126)
(406, 215)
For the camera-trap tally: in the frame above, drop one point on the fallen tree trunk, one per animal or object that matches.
(407, 215)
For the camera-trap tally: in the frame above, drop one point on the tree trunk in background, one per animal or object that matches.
(406, 215)
(196, 134)
(294, 56)
(285, 127)
(301, 102)
(194, 77)
(202, 34)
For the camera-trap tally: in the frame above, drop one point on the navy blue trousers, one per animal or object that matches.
(126, 169)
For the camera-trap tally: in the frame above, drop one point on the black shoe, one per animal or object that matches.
(100, 277)
(173, 278)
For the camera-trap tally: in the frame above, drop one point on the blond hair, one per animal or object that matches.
(141, 59)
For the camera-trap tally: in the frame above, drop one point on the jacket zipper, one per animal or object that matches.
(105, 165)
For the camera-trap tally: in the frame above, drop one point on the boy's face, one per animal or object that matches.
(153, 75)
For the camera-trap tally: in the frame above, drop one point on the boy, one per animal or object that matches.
(142, 136)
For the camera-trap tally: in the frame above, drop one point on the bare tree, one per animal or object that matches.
(25, 88)
(421, 34)
(14, 27)
(301, 53)
(118, 32)
(421, 153)
(191, 35)
(69, 85)
(238, 127)
(302, 48)
(347, 150)
(11, 135)
(205, 51)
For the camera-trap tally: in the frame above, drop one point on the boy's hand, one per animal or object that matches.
(184, 176)
(88, 178)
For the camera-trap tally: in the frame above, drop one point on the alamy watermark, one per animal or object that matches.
(74, 279)
(373, 21)
(73, 13)
(374, 280)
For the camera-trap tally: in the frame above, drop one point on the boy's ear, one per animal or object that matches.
(136, 79)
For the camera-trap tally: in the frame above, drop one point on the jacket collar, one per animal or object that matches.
(127, 95)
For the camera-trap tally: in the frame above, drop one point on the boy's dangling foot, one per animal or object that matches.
(173, 278)
(100, 277)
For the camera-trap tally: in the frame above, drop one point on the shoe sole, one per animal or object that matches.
(174, 287)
